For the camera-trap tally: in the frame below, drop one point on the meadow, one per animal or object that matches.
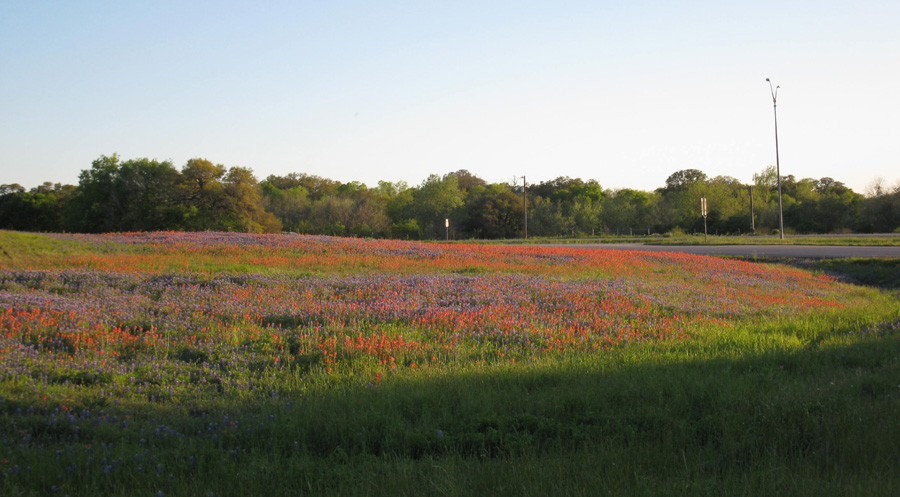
(233, 364)
(878, 240)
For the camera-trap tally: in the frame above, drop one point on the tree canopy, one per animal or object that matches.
(147, 195)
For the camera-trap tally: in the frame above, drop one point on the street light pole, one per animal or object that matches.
(774, 92)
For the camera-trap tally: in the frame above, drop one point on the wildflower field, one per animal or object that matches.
(233, 364)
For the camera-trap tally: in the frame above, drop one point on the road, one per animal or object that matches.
(810, 251)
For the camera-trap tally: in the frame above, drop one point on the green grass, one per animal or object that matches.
(804, 406)
(883, 273)
(842, 240)
(16, 245)
(18, 249)
(656, 239)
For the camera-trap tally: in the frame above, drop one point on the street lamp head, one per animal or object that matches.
(773, 90)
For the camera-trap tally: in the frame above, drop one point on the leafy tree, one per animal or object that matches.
(681, 200)
(728, 202)
(150, 186)
(684, 179)
(565, 188)
(406, 229)
(37, 210)
(765, 195)
(466, 181)
(204, 197)
(828, 185)
(317, 186)
(286, 182)
(880, 211)
(496, 212)
(389, 190)
(434, 200)
(822, 206)
(400, 212)
(97, 205)
(13, 188)
(331, 216)
(290, 205)
(245, 208)
(546, 218)
(626, 209)
(586, 215)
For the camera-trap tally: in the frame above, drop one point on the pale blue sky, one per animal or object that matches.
(625, 92)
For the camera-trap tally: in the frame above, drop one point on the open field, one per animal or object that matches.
(761, 251)
(229, 364)
(891, 240)
(878, 240)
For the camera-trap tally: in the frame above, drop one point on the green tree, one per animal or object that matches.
(39, 209)
(290, 205)
(150, 187)
(546, 218)
(586, 214)
(466, 181)
(203, 194)
(681, 200)
(317, 186)
(685, 178)
(434, 200)
(245, 211)
(97, 205)
(728, 202)
(880, 211)
(400, 212)
(331, 215)
(626, 209)
(494, 212)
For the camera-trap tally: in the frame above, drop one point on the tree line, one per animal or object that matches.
(117, 195)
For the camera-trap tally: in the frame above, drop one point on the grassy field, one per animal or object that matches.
(227, 364)
(887, 240)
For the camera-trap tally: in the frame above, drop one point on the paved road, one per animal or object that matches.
(812, 251)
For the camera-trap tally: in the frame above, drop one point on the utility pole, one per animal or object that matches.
(777, 164)
(752, 215)
(525, 199)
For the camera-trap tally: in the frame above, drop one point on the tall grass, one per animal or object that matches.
(800, 407)
(798, 404)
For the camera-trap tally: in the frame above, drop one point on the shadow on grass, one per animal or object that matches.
(878, 272)
(881, 273)
(690, 419)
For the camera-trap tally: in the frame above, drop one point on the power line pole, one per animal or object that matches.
(525, 199)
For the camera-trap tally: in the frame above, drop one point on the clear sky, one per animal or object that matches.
(624, 92)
